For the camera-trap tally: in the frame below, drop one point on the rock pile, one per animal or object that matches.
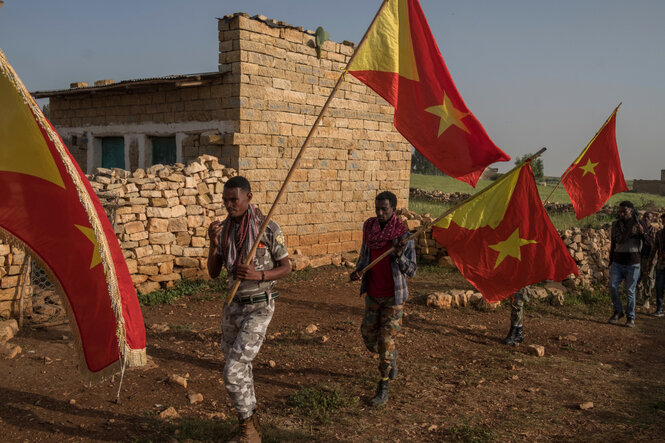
(162, 216)
(11, 270)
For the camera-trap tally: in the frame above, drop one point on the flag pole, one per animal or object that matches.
(570, 168)
(341, 78)
(424, 227)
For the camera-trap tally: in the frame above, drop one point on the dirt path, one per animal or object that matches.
(457, 381)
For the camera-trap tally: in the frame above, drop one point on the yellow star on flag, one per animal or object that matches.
(510, 247)
(449, 115)
(588, 167)
(96, 257)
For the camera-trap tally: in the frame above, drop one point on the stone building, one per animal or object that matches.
(254, 114)
(651, 186)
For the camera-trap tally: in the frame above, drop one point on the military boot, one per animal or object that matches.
(248, 431)
(510, 338)
(516, 335)
(392, 375)
(381, 396)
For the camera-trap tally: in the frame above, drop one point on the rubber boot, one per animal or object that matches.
(381, 396)
(248, 431)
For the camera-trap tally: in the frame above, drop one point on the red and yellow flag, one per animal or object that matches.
(596, 174)
(401, 62)
(502, 239)
(48, 207)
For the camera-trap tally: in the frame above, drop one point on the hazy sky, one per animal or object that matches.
(535, 72)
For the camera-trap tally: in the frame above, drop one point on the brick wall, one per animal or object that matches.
(356, 151)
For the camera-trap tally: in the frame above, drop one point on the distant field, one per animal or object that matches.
(561, 221)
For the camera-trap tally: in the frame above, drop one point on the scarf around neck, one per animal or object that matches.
(236, 247)
(376, 238)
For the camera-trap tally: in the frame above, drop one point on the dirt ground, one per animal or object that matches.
(457, 381)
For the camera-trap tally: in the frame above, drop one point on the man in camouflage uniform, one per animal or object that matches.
(516, 334)
(385, 285)
(646, 282)
(245, 320)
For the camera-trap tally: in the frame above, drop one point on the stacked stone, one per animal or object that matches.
(590, 248)
(162, 217)
(438, 196)
(11, 270)
(355, 152)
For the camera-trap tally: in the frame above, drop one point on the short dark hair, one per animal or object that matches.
(627, 204)
(238, 182)
(387, 195)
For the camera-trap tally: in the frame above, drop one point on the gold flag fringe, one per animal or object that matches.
(133, 356)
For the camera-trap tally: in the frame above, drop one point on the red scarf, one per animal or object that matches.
(376, 238)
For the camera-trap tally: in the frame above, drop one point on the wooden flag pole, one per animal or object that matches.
(264, 225)
(570, 168)
(446, 214)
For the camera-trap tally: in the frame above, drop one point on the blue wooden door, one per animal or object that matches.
(163, 150)
(113, 152)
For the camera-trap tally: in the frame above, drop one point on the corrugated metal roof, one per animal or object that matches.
(128, 84)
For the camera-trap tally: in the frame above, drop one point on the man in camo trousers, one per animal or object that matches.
(385, 286)
(246, 319)
(516, 333)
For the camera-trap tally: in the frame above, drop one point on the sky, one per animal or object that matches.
(534, 72)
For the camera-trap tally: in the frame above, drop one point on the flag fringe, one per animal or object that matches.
(91, 211)
(135, 357)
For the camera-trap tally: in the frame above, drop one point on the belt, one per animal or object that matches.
(258, 298)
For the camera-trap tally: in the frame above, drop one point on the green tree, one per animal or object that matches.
(537, 165)
(420, 165)
(46, 110)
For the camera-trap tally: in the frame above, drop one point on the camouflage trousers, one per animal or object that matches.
(380, 325)
(517, 307)
(243, 331)
(645, 284)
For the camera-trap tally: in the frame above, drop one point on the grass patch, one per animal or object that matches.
(185, 327)
(592, 300)
(432, 270)
(449, 184)
(181, 289)
(318, 402)
(303, 275)
(471, 434)
(274, 435)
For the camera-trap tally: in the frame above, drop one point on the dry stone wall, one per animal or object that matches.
(162, 217)
(589, 248)
(12, 260)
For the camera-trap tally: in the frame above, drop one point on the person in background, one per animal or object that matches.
(625, 255)
(659, 255)
(385, 286)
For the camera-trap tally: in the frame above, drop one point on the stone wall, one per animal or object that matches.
(589, 248)
(355, 152)
(11, 279)
(649, 186)
(162, 217)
